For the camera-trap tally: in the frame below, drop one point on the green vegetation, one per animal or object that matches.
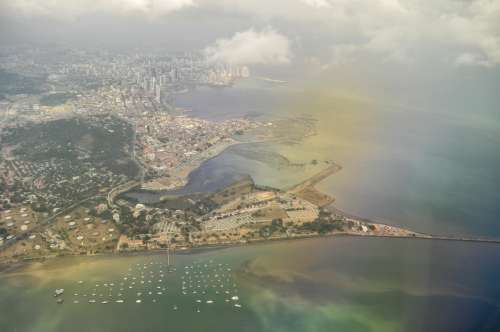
(133, 226)
(102, 141)
(56, 99)
(69, 159)
(12, 84)
(275, 227)
(323, 224)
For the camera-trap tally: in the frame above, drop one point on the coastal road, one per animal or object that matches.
(120, 189)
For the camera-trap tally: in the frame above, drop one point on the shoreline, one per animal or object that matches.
(181, 175)
(304, 188)
(8, 268)
(308, 184)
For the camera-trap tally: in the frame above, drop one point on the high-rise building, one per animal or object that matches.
(153, 85)
(245, 72)
(158, 93)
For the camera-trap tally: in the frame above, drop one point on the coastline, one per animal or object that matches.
(305, 189)
(180, 175)
(308, 185)
(19, 266)
(390, 232)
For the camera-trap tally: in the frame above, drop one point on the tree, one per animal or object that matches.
(265, 231)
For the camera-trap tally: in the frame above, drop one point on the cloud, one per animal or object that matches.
(153, 6)
(252, 47)
(317, 3)
(403, 30)
(65, 9)
(470, 59)
(449, 32)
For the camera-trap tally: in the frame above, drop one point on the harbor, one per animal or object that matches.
(201, 284)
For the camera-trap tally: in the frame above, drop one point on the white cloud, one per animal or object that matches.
(470, 59)
(252, 47)
(317, 3)
(64, 9)
(152, 6)
(401, 30)
(388, 30)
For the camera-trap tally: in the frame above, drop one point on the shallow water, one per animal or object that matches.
(432, 170)
(429, 170)
(325, 284)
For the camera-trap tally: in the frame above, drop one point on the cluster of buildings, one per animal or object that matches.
(156, 75)
(49, 170)
(173, 146)
(123, 102)
(258, 208)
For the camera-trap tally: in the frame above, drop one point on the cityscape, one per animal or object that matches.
(201, 165)
(106, 127)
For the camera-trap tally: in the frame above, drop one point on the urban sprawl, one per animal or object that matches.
(80, 129)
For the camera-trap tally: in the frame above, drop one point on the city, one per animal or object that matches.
(105, 126)
(249, 165)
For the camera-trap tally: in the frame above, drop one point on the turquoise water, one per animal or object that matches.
(326, 284)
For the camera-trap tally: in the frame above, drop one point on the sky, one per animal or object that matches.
(403, 45)
(460, 33)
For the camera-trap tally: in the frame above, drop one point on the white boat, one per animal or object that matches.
(59, 291)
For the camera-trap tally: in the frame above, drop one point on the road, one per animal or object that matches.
(120, 189)
(47, 221)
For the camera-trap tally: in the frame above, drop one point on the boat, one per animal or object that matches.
(58, 292)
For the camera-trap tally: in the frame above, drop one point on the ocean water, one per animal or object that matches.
(327, 284)
(430, 169)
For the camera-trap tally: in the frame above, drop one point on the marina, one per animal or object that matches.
(278, 286)
(201, 283)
